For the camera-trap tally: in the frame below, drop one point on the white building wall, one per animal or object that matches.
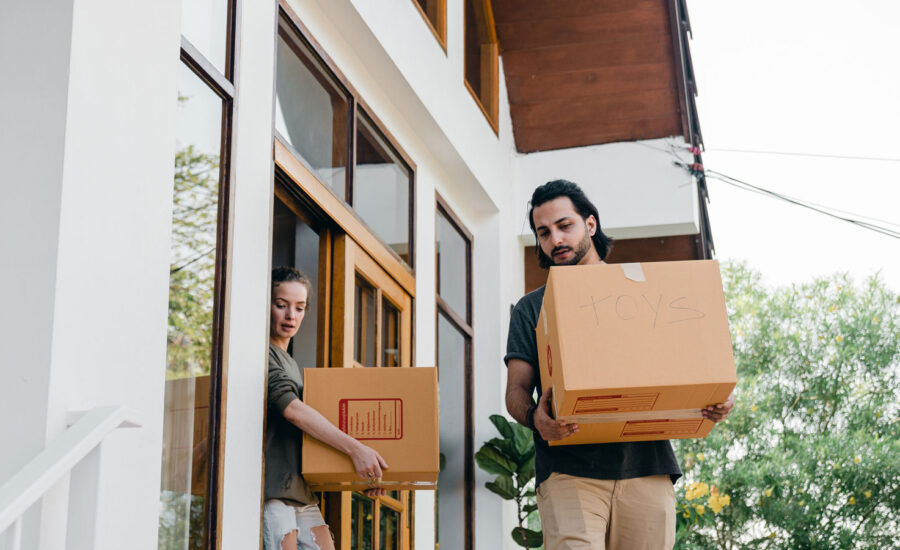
(637, 188)
(88, 142)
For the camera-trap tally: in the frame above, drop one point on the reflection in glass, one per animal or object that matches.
(388, 529)
(361, 523)
(473, 40)
(390, 334)
(451, 359)
(295, 243)
(311, 110)
(205, 24)
(364, 323)
(452, 266)
(381, 188)
(185, 460)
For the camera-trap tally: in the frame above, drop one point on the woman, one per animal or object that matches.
(291, 518)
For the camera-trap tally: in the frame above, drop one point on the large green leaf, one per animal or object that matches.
(528, 508)
(507, 447)
(502, 426)
(493, 461)
(503, 486)
(527, 538)
(525, 470)
(523, 439)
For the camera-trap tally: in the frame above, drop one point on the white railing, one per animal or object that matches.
(87, 431)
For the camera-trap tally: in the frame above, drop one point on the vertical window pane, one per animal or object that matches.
(452, 266)
(452, 358)
(389, 527)
(205, 24)
(311, 110)
(381, 188)
(361, 523)
(473, 46)
(185, 461)
(296, 244)
(390, 334)
(364, 323)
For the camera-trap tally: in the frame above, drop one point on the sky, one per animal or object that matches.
(818, 77)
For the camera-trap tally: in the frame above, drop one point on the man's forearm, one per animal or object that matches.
(518, 401)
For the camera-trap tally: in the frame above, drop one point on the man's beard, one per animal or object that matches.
(580, 251)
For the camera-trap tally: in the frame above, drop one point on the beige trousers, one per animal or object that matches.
(600, 514)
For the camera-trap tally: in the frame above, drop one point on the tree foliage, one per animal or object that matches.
(810, 457)
(192, 269)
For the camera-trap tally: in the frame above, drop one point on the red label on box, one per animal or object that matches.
(615, 403)
(661, 427)
(371, 418)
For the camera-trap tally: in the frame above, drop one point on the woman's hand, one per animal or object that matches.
(368, 464)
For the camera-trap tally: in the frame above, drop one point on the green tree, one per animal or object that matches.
(810, 457)
(192, 268)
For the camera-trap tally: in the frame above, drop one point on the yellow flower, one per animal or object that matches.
(852, 501)
(878, 414)
(701, 456)
(809, 410)
(686, 513)
(700, 509)
(772, 535)
(717, 502)
(754, 408)
(800, 490)
(769, 492)
(868, 494)
(714, 491)
(831, 309)
(801, 503)
(875, 319)
(696, 490)
(839, 287)
(856, 459)
(838, 338)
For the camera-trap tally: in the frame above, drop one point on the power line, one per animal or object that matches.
(798, 202)
(795, 154)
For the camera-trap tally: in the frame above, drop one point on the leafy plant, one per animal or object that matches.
(511, 458)
(810, 455)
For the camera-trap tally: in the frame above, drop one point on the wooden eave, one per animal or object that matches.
(587, 72)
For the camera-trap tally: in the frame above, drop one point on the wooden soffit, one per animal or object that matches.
(586, 72)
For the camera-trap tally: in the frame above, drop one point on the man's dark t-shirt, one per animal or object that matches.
(597, 461)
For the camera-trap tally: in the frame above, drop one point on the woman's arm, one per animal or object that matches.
(366, 461)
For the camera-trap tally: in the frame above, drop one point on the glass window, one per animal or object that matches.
(389, 529)
(435, 12)
(311, 110)
(361, 523)
(481, 57)
(365, 323)
(205, 24)
(390, 334)
(295, 243)
(452, 266)
(189, 344)
(382, 188)
(451, 360)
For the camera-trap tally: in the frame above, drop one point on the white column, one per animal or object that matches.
(246, 337)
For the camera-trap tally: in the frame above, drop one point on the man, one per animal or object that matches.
(614, 496)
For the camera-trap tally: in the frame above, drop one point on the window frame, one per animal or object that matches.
(343, 209)
(223, 86)
(464, 324)
(489, 98)
(438, 28)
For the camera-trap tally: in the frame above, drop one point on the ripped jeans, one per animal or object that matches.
(279, 519)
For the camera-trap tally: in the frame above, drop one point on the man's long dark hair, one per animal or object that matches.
(584, 207)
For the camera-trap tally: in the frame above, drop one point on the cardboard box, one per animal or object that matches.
(392, 410)
(634, 351)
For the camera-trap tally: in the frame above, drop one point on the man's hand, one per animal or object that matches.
(718, 413)
(550, 429)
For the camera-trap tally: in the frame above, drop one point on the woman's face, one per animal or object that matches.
(288, 308)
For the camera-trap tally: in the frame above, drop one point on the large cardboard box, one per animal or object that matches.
(392, 410)
(634, 351)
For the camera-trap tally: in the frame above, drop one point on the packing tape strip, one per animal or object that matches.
(678, 414)
(634, 272)
(544, 317)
